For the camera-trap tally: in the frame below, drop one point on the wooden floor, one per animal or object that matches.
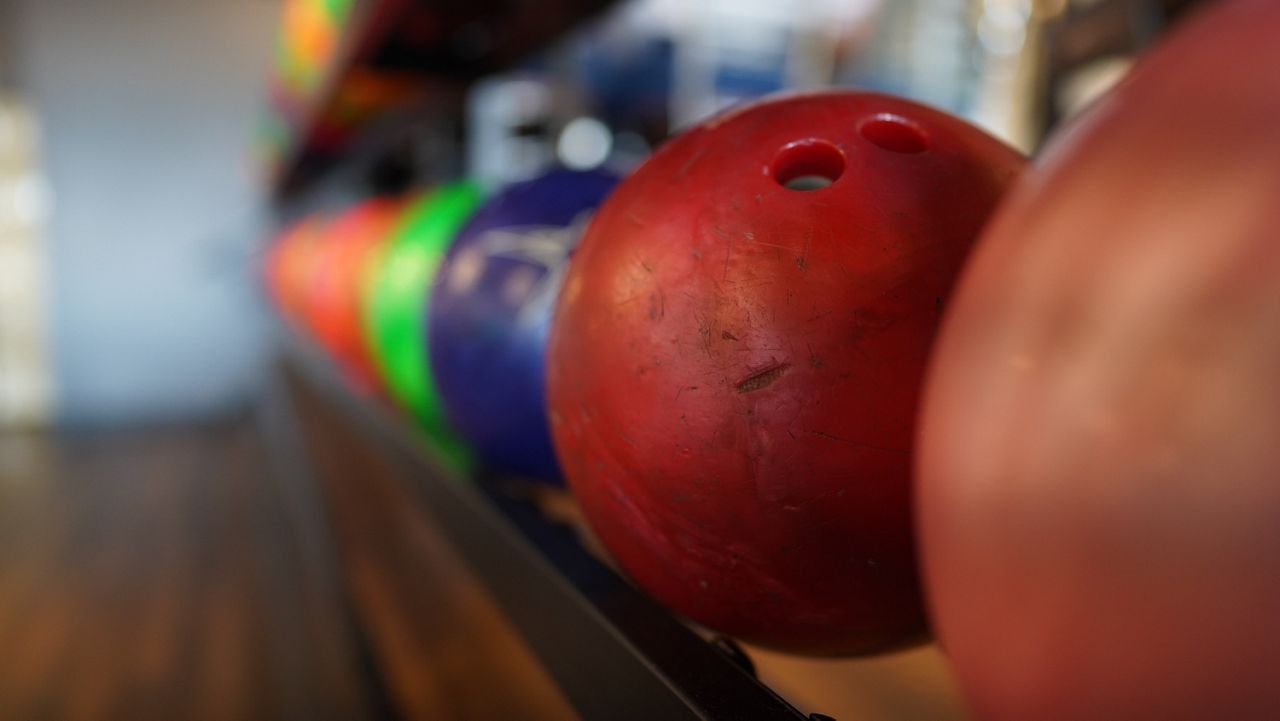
(447, 650)
(181, 573)
(277, 566)
(153, 575)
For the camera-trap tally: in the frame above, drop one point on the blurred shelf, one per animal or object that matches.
(1089, 33)
(397, 53)
(614, 652)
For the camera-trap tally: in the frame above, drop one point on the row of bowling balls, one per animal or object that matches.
(1076, 487)
(441, 301)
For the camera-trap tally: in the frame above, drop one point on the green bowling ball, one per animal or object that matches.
(397, 293)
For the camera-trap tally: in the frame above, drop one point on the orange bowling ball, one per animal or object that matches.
(334, 306)
(291, 264)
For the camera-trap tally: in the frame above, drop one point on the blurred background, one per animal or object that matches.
(184, 535)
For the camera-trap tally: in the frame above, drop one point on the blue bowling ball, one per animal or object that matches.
(490, 313)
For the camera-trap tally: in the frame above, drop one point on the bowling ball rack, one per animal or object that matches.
(614, 652)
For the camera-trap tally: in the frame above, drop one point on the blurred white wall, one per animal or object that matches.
(147, 108)
(26, 375)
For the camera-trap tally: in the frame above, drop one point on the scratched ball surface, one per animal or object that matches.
(491, 310)
(736, 358)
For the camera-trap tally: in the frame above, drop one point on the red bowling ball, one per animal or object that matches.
(737, 354)
(1099, 486)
